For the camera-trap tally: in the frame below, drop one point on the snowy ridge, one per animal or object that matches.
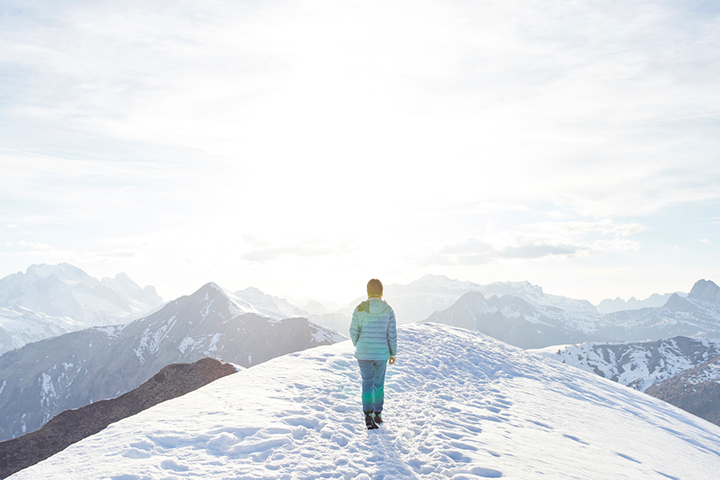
(459, 405)
(639, 365)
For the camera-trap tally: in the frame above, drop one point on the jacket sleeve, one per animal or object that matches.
(355, 327)
(392, 335)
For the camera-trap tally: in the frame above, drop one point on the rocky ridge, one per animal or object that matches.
(71, 426)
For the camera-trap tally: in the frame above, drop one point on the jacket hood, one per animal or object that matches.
(378, 306)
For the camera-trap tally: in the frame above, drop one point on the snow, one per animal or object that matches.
(187, 342)
(50, 300)
(636, 364)
(459, 405)
(709, 373)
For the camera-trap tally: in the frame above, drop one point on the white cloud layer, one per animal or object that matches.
(464, 136)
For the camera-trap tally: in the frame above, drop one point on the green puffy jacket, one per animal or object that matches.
(373, 330)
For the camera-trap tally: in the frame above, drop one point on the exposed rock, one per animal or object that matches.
(696, 391)
(71, 426)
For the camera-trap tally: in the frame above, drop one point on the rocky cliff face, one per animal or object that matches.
(72, 426)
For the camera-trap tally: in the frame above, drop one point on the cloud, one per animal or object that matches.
(605, 226)
(265, 254)
(473, 251)
(23, 243)
(115, 254)
(540, 240)
(704, 240)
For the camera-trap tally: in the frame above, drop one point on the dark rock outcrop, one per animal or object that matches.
(71, 426)
(696, 391)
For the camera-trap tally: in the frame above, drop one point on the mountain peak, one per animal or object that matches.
(705, 290)
(677, 303)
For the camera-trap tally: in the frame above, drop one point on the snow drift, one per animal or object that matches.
(459, 405)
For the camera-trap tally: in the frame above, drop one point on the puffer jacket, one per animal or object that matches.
(373, 330)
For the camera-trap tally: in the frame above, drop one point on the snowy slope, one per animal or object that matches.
(49, 300)
(459, 405)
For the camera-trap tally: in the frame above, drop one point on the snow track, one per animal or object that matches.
(458, 405)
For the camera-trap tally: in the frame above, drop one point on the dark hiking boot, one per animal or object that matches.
(378, 418)
(369, 422)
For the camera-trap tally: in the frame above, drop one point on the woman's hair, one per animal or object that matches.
(374, 288)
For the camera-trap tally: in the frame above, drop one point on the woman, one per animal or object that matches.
(374, 334)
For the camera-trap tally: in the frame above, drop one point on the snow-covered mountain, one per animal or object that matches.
(48, 300)
(416, 301)
(516, 321)
(638, 365)
(692, 316)
(44, 378)
(279, 307)
(532, 324)
(535, 296)
(458, 405)
(615, 305)
(269, 305)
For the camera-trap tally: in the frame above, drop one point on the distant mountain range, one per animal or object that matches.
(49, 300)
(536, 321)
(618, 304)
(416, 301)
(279, 307)
(249, 327)
(44, 378)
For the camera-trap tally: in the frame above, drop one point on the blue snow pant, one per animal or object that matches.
(373, 384)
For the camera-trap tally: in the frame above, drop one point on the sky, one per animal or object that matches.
(304, 147)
